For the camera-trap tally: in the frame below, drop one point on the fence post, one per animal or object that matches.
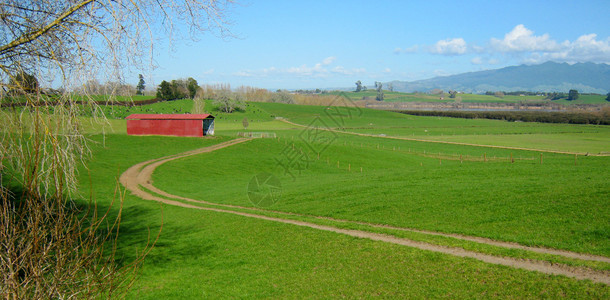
(540, 157)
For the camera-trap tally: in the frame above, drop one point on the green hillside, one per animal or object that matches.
(430, 180)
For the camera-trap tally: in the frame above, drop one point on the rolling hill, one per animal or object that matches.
(549, 77)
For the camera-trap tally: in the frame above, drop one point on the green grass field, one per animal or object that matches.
(561, 203)
(205, 254)
(465, 97)
(553, 137)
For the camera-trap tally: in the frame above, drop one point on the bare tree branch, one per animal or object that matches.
(49, 247)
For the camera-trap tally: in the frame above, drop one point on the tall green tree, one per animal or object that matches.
(573, 95)
(179, 90)
(23, 82)
(608, 97)
(164, 91)
(358, 86)
(192, 87)
(141, 85)
(378, 86)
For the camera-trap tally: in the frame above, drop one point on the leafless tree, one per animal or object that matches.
(48, 247)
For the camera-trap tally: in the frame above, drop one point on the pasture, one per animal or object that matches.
(372, 172)
(389, 96)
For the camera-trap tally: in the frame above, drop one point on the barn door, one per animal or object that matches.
(208, 127)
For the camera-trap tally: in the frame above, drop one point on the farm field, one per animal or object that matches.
(206, 149)
(580, 139)
(469, 98)
(407, 189)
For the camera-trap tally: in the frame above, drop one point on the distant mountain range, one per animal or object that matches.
(546, 77)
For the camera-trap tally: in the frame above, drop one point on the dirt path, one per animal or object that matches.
(447, 142)
(139, 176)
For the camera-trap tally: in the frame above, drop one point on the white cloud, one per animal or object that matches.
(521, 39)
(453, 46)
(270, 70)
(329, 60)
(244, 73)
(387, 70)
(343, 71)
(585, 48)
(304, 70)
(319, 70)
(523, 45)
(411, 49)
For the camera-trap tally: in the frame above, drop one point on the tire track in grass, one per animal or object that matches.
(139, 176)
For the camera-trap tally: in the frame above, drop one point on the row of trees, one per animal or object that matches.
(224, 97)
(599, 118)
(94, 87)
(572, 95)
(378, 87)
(228, 100)
(26, 83)
(177, 89)
(515, 93)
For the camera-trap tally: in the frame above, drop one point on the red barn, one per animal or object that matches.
(170, 124)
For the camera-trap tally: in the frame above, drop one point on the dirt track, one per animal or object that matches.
(139, 176)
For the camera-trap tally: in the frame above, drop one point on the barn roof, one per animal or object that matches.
(169, 117)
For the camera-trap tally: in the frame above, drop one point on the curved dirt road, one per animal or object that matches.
(139, 176)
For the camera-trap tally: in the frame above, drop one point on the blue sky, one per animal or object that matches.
(323, 44)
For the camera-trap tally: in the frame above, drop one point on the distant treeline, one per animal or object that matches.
(54, 103)
(598, 118)
(515, 93)
(528, 93)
